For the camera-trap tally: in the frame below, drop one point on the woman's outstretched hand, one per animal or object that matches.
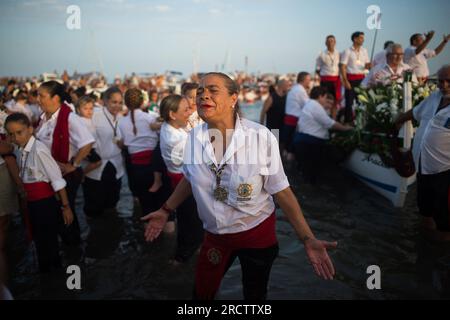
(316, 250)
(156, 222)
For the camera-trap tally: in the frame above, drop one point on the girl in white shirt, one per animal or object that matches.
(175, 112)
(42, 179)
(102, 185)
(140, 141)
(85, 109)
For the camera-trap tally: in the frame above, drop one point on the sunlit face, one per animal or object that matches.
(191, 96)
(359, 40)
(306, 83)
(115, 103)
(181, 116)
(396, 57)
(418, 41)
(19, 133)
(444, 82)
(87, 110)
(213, 100)
(331, 43)
(154, 97)
(47, 102)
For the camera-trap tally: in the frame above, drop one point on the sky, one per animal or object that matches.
(119, 37)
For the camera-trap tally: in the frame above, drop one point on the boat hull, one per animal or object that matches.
(371, 171)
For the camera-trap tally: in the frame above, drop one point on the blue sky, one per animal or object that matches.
(122, 36)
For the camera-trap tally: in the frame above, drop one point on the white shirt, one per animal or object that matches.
(79, 136)
(355, 61)
(172, 145)
(432, 139)
(250, 176)
(385, 75)
(2, 161)
(107, 134)
(419, 61)
(379, 59)
(90, 126)
(20, 108)
(328, 63)
(145, 139)
(36, 164)
(296, 99)
(315, 121)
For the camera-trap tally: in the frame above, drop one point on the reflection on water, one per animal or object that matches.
(117, 263)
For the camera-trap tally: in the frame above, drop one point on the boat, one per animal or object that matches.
(370, 169)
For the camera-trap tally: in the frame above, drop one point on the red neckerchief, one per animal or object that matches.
(60, 145)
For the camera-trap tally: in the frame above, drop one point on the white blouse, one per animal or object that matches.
(252, 174)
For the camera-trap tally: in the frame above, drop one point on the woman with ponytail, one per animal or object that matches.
(102, 185)
(69, 141)
(140, 142)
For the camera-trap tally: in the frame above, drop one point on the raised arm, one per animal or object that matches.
(442, 45)
(428, 38)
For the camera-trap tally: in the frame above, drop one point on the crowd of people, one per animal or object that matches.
(177, 145)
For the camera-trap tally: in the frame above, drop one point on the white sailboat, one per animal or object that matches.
(370, 169)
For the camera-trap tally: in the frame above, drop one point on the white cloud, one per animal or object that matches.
(162, 8)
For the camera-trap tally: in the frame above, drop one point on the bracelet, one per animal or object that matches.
(65, 206)
(167, 209)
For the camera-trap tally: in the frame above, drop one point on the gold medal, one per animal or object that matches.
(220, 194)
(245, 190)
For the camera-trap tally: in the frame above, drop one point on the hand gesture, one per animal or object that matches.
(429, 35)
(316, 250)
(156, 222)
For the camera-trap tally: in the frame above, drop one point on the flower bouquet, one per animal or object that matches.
(375, 114)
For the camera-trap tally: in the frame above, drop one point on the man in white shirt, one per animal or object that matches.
(392, 71)
(431, 152)
(380, 58)
(296, 99)
(354, 63)
(418, 54)
(327, 67)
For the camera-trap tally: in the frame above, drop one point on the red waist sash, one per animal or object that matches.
(355, 77)
(290, 120)
(337, 85)
(38, 191)
(141, 158)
